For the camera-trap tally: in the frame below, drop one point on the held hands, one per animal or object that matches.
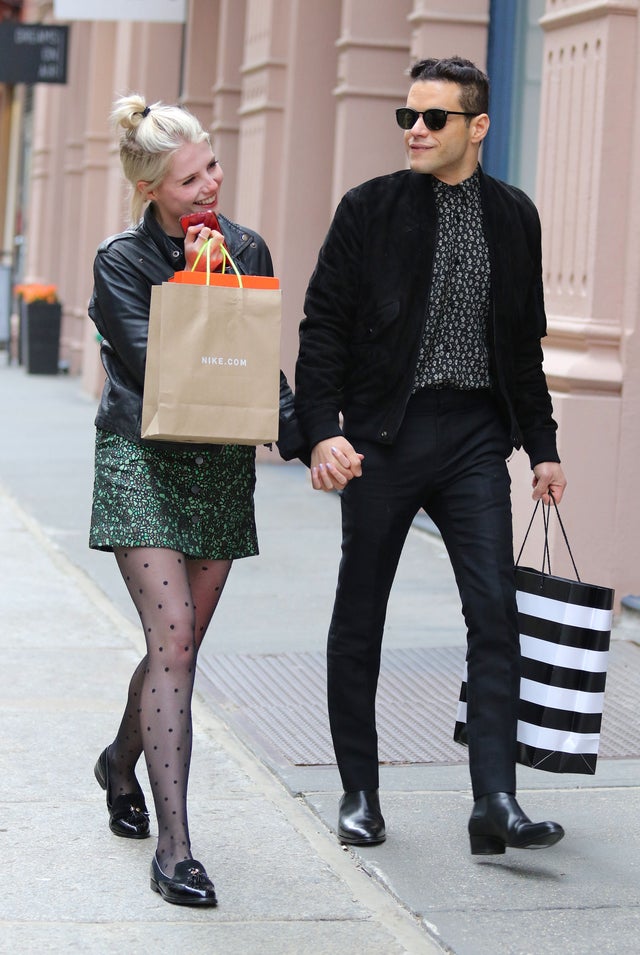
(334, 463)
(195, 240)
(548, 481)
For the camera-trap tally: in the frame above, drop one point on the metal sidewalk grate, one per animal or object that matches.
(280, 701)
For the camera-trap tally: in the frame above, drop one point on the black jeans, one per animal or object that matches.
(449, 458)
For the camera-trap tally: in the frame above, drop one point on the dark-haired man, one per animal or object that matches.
(423, 321)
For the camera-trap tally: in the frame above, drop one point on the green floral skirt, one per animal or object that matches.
(197, 502)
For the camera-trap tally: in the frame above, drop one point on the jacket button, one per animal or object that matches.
(195, 519)
(199, 459)
(244, 236)
(195, 488)
(384, 434)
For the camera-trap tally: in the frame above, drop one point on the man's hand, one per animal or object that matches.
(334, 462)
(548, 477)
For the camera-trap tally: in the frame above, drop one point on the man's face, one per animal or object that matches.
(450, 153)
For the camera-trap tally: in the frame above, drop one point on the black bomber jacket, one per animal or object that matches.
(126, 266)
(366, 303)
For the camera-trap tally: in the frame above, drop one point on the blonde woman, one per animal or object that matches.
(175, 516)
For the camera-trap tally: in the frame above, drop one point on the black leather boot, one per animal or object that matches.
(360, 821)
(498, 821)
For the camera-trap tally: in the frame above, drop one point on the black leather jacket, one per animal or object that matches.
(365, 309)
(125, 268)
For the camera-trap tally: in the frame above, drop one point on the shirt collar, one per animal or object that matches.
(468, 187)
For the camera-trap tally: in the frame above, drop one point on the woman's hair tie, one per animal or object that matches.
(146, 111)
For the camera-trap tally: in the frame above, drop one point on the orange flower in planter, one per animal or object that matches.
(37, 292)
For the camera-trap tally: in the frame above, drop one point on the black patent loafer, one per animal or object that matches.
(190, 885)
(497, 822)
(360, 821)
(128, 816)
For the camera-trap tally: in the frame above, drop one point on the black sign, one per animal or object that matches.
(33, 52)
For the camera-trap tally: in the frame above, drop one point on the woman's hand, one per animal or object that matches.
(334, 463)
(197, 238)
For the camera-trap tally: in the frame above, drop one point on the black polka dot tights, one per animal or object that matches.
(176, 598)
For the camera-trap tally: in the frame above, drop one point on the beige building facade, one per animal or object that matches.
(299, 98)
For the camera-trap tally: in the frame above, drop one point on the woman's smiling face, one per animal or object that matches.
(192, 184)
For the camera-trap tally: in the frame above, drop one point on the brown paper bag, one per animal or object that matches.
(213, 363)
(152, 364)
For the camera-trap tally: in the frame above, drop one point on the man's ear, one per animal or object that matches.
(479, 127)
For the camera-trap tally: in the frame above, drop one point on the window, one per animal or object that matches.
(514, 65)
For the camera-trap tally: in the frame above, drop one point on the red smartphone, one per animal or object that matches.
(208, 219)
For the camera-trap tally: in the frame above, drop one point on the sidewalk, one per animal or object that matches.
(263, 791)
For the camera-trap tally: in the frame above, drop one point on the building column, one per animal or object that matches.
(262, 191)
(199, 58)
(303, 185)
(227, 94)
(101, 198)
(450, 29)
(373, 57)
(586, 187)
(261, 112)
(82, 183)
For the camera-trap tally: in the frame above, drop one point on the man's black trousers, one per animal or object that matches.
(448, 458)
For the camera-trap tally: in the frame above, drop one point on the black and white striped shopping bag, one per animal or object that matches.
(565, 629)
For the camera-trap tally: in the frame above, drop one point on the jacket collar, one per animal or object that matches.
(160, 239)
(236, 238)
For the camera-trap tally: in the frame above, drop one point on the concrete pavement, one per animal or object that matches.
(262, 815)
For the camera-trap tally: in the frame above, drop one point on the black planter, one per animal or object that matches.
(40, 337)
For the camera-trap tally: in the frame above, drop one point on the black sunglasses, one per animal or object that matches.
(434, 119)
